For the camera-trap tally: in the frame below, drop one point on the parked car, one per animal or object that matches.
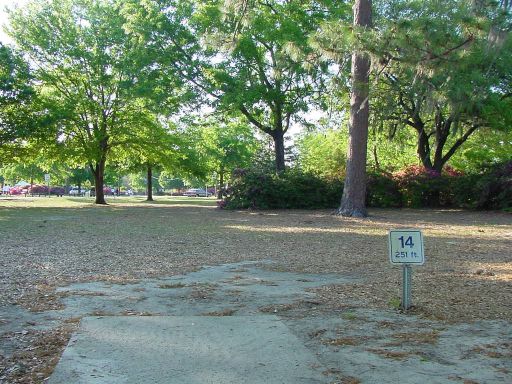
(57, 191)
(38, 190)
(75, 191)
(196, 192)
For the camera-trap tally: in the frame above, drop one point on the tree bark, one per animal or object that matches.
(354, 190)
(150, 184)
(277, 132)
(221, 183)
(99, 171)
(423, 149)
(278, 136)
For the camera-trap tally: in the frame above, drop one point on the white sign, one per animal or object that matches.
(406, 247)
(47, 177)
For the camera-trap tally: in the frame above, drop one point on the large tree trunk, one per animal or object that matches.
(278, 136)
(99, 171)
(150, 184)
(354, 190)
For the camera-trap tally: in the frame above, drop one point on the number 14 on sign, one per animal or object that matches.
(406, 247)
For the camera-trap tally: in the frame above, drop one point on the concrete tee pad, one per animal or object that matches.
(186, 350)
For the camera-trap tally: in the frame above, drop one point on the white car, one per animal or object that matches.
(196, 192)
(75, 191)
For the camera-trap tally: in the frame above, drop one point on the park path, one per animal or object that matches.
(326, 345)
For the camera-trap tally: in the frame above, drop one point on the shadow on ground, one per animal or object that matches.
(350, 343)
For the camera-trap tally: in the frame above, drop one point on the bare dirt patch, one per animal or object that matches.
(467, 275)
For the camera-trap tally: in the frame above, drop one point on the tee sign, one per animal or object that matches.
(406, 247)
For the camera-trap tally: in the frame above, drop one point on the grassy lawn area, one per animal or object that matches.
(53, 241)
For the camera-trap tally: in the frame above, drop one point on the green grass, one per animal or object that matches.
(78, 202)
(123, 219)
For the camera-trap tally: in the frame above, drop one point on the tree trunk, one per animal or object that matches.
(278, 136)
(150, 184)
(221, 183)
(99, 171)
(376, 158)
(354, 190)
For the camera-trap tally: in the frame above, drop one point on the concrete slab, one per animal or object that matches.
(186, 350)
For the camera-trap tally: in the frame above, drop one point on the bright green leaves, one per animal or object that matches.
(441, 72)
(262, 61)
(17, 118)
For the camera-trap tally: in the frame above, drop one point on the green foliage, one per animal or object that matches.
(382, 191)
(391, 154)
(323, 153)
(169, 181)
(495, 187)
(413, 187)
(79, 176)
(466, 191)
(264, 67)
(17, 120)
(290, 189)
(442, 72)
(484, 147)
(221, 146)
(94, 76)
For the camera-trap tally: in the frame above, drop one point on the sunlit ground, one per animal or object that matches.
(50, 241)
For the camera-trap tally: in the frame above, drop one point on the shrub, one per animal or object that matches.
(421, 187)
(495, 187)
(464, 192)
(382, 191)
(290, 189)
(414, 187)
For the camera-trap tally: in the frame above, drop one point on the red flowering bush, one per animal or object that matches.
(422, 187)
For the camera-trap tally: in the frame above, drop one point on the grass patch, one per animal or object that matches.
(394, 355)
(342, 341)
(417, 337)
(224, 312)
(349, 316)
(172, 286)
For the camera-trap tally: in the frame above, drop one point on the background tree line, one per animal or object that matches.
(195, 89)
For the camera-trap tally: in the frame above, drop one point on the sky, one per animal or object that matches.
(3, 16)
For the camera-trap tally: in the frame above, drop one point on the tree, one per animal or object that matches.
(92, 73)
(263, 65)
(160, 145)
(323, 153)
(354, 189)
(445, 73)
(16, 98)
(223, 146)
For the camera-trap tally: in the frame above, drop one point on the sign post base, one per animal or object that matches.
(406, 286)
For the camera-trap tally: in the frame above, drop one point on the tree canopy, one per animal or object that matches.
(92, 72)
(188, 88)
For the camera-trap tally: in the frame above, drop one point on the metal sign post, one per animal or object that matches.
(47, 179)
(406, 286)
(406, 248)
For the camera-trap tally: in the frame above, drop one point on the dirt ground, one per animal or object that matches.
(47, 243)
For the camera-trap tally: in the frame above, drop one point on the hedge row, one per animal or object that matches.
(413, 187)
